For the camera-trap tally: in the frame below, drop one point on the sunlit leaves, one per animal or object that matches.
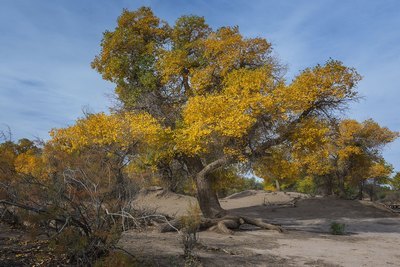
(31, 163)
(216, 92)
(358, 150)
(328, 86)
(100, 129)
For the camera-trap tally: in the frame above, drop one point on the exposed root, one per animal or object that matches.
(224, 225)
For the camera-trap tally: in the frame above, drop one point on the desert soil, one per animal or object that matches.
(372, 233)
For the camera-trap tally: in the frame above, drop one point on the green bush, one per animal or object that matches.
(306, 186)
(337, 228)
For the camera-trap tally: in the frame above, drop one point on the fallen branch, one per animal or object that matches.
(22, 206)
(125, 214)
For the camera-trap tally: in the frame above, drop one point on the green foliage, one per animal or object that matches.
(395, 181)
(228, 181)
(337, 228)
(137, 37)
(306, 185)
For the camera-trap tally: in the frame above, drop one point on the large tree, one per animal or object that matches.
(220, 98)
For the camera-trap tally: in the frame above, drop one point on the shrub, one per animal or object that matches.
(191, 223)
(82, 204)
(119, 259)
(337, 228)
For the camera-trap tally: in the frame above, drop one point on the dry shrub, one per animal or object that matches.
(117, 258)
(191, 224)
(83, 204)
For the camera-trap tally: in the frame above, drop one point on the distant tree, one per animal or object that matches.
(332, 155)
(395, 181)
(357, 153)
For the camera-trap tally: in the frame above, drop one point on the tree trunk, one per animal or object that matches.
(371, 192)
(342, 191)
(328, 186)
(207, 197)
(215, 217)
(278, 187)
(361, 188)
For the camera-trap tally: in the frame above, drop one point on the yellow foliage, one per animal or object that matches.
(122, 130)
(379, 169)
(31, 163)
(307, 154)
(332, 81)
(269, 187)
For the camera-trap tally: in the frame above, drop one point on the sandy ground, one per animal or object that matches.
(372, 239)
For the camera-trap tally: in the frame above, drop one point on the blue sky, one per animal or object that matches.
(46, 48)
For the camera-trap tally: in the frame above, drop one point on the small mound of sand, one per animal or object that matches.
(245, 193)
(163, 201)
(250, 198)
(173, 204)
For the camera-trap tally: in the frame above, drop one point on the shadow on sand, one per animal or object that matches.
(316, 215)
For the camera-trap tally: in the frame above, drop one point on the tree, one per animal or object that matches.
(222, 96)
(353, 156)
(357, 153)
(395, 181)
(16, 157)
(123, 138)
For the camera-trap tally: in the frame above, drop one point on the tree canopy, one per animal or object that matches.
(221, 97)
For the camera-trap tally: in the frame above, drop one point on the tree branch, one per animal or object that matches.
(214, 165)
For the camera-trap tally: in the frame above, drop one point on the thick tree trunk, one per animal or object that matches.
(207, 197)
(215, 217)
